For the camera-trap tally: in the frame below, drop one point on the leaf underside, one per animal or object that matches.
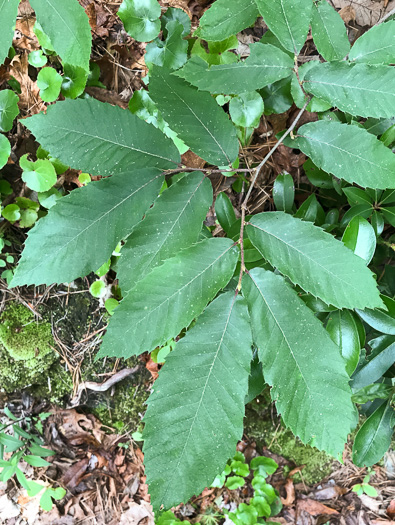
(311, 393)
(195, 414)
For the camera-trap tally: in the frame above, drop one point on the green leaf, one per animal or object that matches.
(9, 11)
(372, 392)
(311, 210)
(204, 380)
(39, 176)
(37, 58)
(226, 18)
(196, 117)
(171, 53)
(176, 14)
(289, 20)
(140, 18)
(376, 46)
(264, 466)
(381, 320)
(369, 490)
(67, 25)
(284, 192)
(34, 488)
(40, 451)
(224, 211)
(73, 81)
(360, 237)
(110, 305)
(329, 32)
(49, 81)
(46, 501)
(80, 232)
(261, 505)
(169, 298)
(378, 364)
(8, 109)
(348, 152)
(314, 260)
(389, 215)
(173, 223)
(358, 89)
(234, 482)
(71, 128)
(10, 443)
(374, 437)
(97, 289)
(11, 212)
(343, 328)
(5, 150)
(266, 64)
(357, 196)
(246, 109)
(36, 461)
(291, 343)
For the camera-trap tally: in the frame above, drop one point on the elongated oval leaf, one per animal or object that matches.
(344, 331)
(371, 371)
(173, 223)
(203, 382)
(314, 260)
(226, 18)
(359, 236)
(289, 20)
(196, 117)
(80, 232)
(169, 298)
(329, 31)
(348, 152)
(67, 25)
(101, 139)
(265, 65)
(358, 89)
(8, 109)
(381, 320)
(376, 46)
(9, 11)
(374, 437)
(224, 211)
(308, 390)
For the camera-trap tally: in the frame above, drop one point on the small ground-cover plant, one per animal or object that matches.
(309, 286)
(26, 445)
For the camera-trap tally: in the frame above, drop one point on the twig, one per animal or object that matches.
(385, 17)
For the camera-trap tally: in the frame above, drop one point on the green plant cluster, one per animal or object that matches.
(26, 445)
(264, 503)
(300, 295)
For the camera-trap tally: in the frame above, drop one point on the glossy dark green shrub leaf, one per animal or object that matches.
(196, 117)
(226, 18)
(8, 109)
(314, 260)
(380, 319)
(345, 327)
(284, 192)
(382, 358)
(169, 298)
(358, 89)
(81, 231)
(9, 11)
(360, 237)
(204, 380)
(348, 152)
(67, 25)
(140, 18)
(291, 342)
(225, 212)
(329, 32)
(289, 20)
(311, 210)
(376, 46)
(372, 392)
(266, 64)
(374, 437)
(70, 129)
(173, 223)
(277, 97)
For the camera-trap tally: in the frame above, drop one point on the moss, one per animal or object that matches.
(124, 407)
(26, 356)
(281, 441)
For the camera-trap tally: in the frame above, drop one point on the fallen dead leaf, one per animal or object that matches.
(348, 14)
(391, 509)
(329, 492)
(29, 98)
(136, 513)
(290, 491)
(367, 12)
(314, 508)
(371, 503)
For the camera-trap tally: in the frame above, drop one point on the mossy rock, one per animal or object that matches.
(280, 440)
(26, 356)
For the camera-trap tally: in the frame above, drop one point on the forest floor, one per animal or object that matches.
(95, 409)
